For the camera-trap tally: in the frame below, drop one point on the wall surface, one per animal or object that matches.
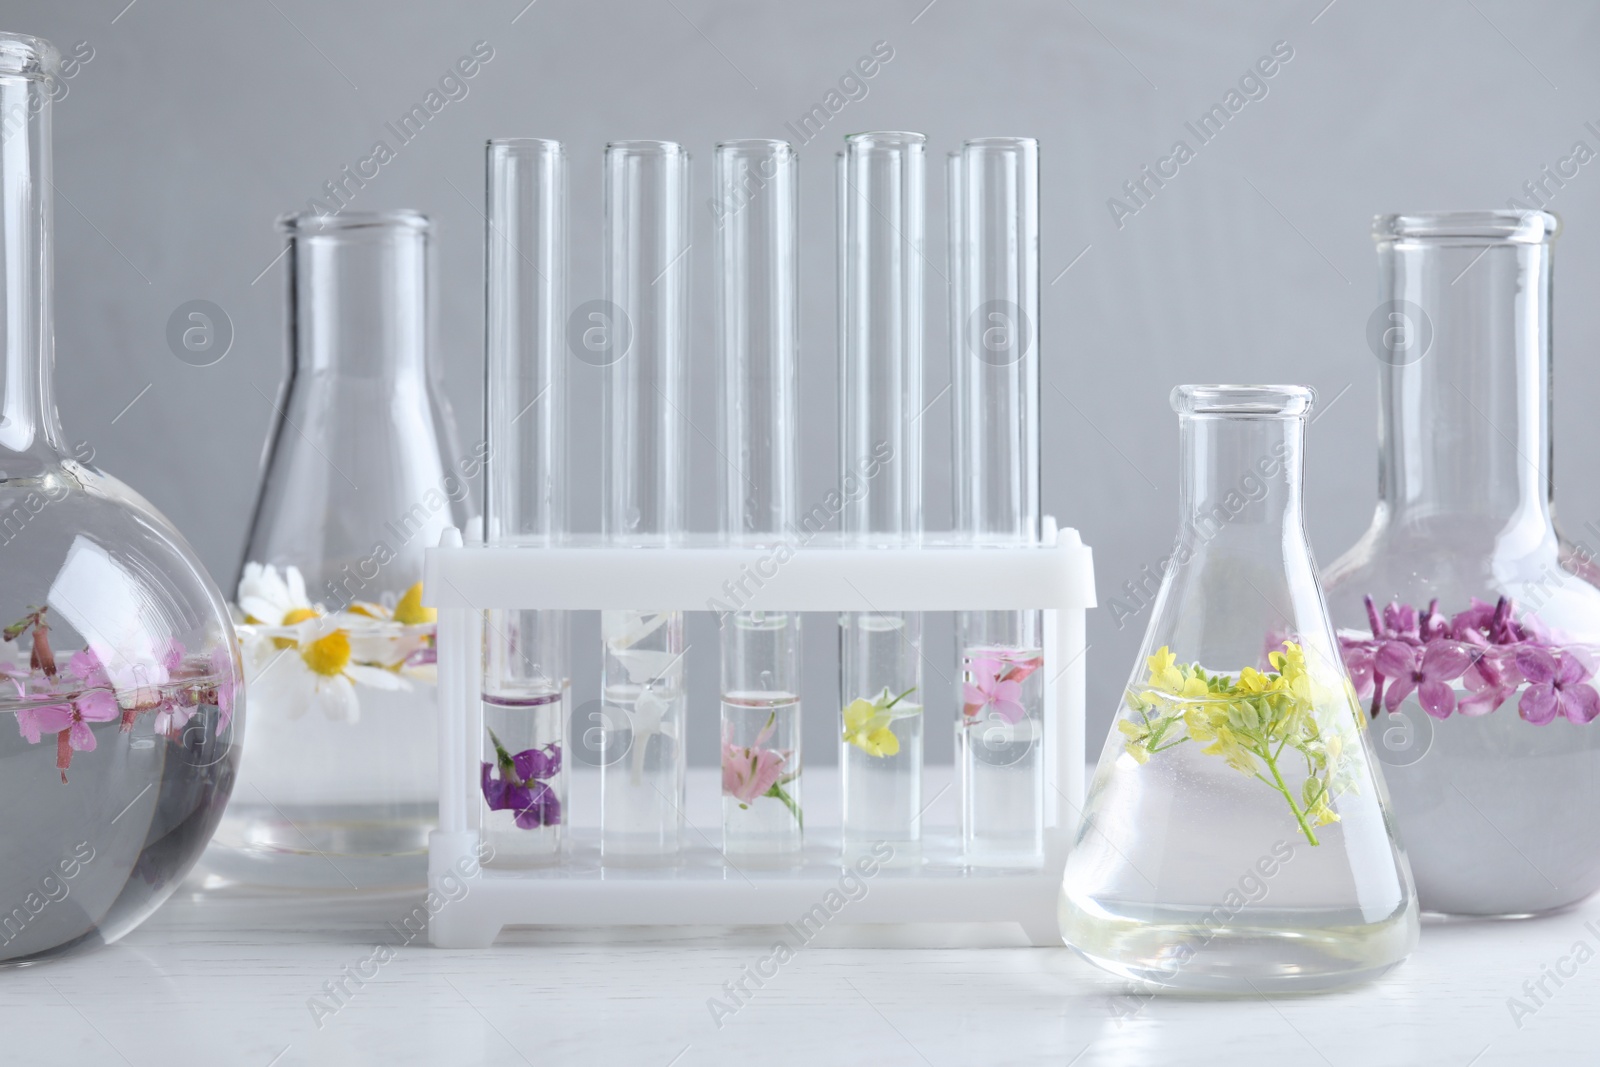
(194, 124)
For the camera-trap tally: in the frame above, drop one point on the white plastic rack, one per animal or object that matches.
(462, 581)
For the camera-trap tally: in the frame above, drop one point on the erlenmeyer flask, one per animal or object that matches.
(1236, 836)
(340, 789)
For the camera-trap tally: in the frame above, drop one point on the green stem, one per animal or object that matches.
(899, 698)
(1305, 827)
(508, 766)
(788, 801)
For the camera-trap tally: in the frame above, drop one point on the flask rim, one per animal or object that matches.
(23, 55)
(1501, 226)
(756, 146)
(664, 149)
(885, 139)
(526, 146)
(1259, 401)
(306, 223)
(999, 144)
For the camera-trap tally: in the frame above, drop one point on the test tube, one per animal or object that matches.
(881, 235)
(756, 209)
(994, 193)
(526, 680)
(643, 485)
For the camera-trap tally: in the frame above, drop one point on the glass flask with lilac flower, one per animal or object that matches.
(1235, 838)
(120, 696)
(1472, 645)
(361, 476)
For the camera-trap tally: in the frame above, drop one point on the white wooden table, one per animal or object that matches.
(224, 978)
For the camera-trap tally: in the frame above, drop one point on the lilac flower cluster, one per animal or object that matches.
(1486, 647)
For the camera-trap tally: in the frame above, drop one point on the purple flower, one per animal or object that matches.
(1496, 624)
(1492, 678)
(518, 787)
(1358, 661)
(537, 763)
(1479, 646)
(1431, 624)
(1558, 684)
(1427, 670)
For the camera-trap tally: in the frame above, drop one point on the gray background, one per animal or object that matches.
(196, 123)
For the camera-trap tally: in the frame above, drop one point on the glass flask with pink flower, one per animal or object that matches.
(119, 670)
(1472, 647)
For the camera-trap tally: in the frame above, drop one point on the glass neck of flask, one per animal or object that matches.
(29, 427)
(1241, 481)
(358, 294)
(1464, 412)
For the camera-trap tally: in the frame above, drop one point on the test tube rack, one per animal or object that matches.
(477, 902)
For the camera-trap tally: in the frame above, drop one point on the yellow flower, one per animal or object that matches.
(1164, 673)
(1166, 677)
(866, 725)
(1253, 681)
(1138, 743)
(328, 656)
(298, 615)
(409, 611)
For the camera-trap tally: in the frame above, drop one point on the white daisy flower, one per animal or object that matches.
(317, 673)
(271, 599)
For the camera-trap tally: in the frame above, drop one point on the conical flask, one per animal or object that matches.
(1236, 837)
(340, 789)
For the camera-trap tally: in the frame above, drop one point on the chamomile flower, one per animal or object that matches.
(398, 638)
(319, 675)
(271, 599)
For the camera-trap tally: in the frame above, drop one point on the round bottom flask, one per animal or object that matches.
(1473, 648)
(120, 703)
(1236, 836)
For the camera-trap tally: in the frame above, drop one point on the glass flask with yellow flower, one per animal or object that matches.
(339, 784)
(1236, 835)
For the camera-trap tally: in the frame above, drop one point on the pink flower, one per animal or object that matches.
(1358, 661)
(1428, 670)
(70, 723)
(751, 772)
(1492, 678)
(227, 685)
(87, 668)
(36, 722)
(1558, 684)
(996, 682)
